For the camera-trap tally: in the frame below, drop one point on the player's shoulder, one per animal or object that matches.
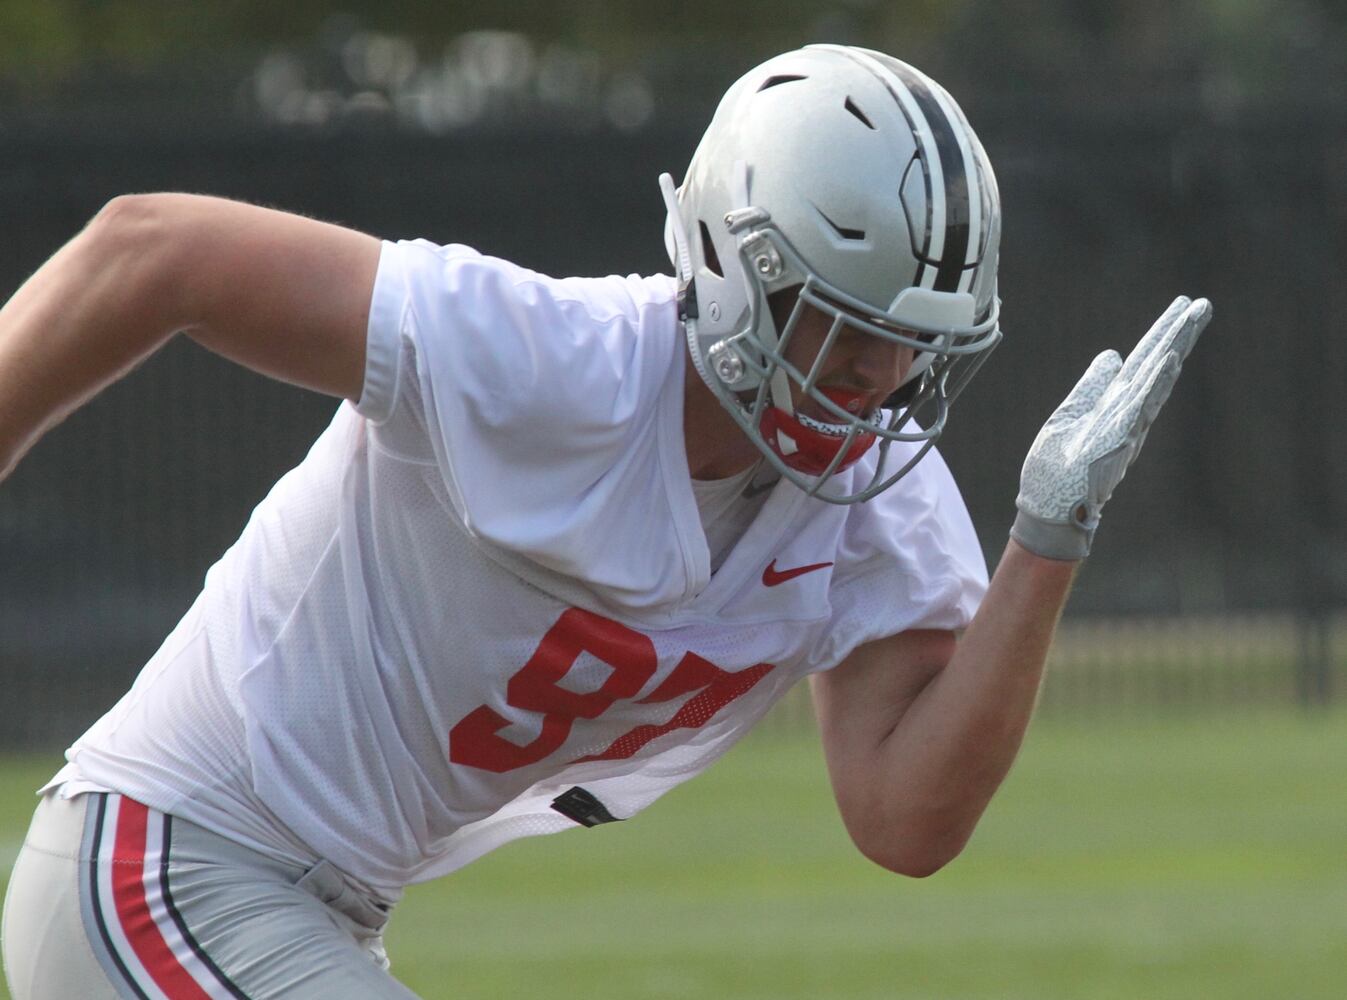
(927, 487)
(922, 519)
(529, 348)
(462, 277)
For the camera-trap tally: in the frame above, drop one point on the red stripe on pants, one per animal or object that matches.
(133, 911)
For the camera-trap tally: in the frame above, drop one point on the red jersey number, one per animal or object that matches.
(476, 740)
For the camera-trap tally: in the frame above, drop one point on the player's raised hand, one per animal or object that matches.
(1085, 448)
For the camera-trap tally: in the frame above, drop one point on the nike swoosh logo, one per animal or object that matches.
(772, 577)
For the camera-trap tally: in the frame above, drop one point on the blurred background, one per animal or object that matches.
(1143, 149)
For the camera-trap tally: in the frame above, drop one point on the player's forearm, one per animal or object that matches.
(956, 742)
(91, 313)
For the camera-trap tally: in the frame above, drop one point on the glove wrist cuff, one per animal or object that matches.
(1068, 541)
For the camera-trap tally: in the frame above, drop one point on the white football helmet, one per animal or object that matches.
(856, 179)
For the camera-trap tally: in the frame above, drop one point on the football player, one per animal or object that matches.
(565, 541)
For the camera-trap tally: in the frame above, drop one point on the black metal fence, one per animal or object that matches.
(1221, 569)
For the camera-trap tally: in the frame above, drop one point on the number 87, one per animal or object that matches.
(475, 741)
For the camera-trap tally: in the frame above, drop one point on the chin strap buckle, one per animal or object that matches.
(687, 301)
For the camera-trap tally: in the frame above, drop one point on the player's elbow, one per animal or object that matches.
(911, 863)
(129, 224)
(914, 853)
(133, 249)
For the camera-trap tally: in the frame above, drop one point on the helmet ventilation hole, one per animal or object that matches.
(776, 81)
(709, 252)
(860, 115)
(842, 231)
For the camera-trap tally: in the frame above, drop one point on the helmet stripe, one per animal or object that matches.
(927, 121)
(954, 246)
(973, 188)
(949, 156)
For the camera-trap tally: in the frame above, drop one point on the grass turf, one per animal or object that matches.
(1171, 858)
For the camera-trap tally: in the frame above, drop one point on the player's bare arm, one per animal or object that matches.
(284, 295)
(920, 731)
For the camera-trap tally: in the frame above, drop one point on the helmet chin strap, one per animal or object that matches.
(814, 452)
(780, 395)
(676, 232)
(680, 253)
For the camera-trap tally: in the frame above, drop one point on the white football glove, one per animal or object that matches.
(1084, 449)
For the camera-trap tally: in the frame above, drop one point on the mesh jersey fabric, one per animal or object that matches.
(487, 583)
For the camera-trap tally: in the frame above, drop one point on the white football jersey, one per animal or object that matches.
(482, 606)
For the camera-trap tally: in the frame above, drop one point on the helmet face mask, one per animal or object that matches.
(854, 181)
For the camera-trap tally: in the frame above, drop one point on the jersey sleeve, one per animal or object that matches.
(908, 559)
(389, 321)
(538, 398)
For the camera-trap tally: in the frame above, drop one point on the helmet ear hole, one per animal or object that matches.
(709, 252)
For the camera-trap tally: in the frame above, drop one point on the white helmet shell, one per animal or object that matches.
(857, 179)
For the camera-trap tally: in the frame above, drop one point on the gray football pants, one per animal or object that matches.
(109, 899)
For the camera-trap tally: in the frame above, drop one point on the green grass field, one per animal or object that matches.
(1180, 858)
